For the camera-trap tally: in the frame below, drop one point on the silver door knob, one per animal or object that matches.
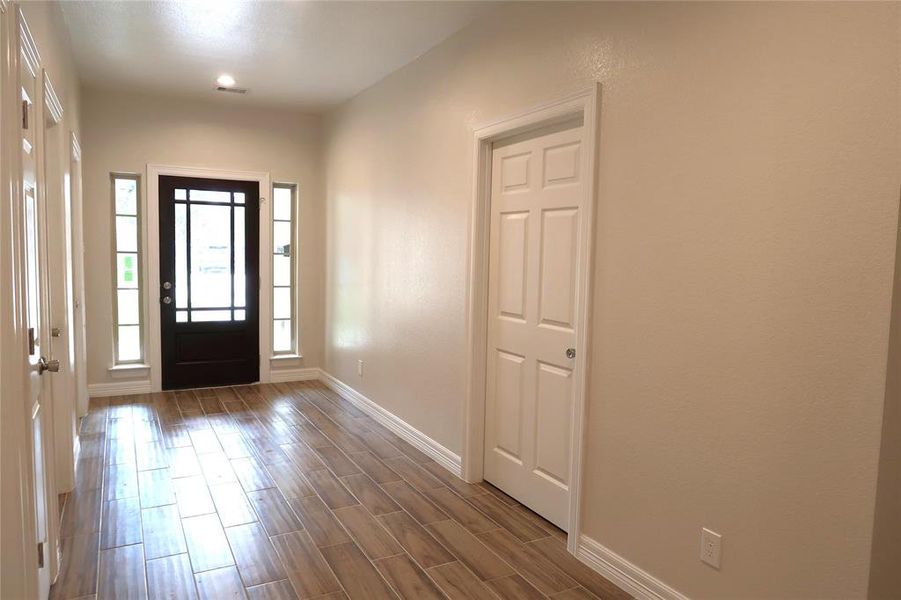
(570, 353)
(167, 300)
(47, 365)
(167, 285)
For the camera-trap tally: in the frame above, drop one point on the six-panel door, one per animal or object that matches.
(536, 208)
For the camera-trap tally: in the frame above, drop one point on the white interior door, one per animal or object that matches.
(537, 192)
(79, 335)
(59, 267)
(37, 316)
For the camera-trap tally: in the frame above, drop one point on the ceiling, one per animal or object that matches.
(307, 55)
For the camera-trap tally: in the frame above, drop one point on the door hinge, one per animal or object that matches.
(31, 341)
(41, 555)
(25, 114)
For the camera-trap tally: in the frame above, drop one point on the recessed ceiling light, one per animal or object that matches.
(225, 80)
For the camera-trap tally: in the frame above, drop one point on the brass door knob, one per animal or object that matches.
(47, 365)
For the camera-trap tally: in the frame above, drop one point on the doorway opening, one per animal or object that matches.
(529, 305)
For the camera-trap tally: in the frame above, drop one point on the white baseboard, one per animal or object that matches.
(626, 575)
(410, 434)
(119, 388)
(299, 374)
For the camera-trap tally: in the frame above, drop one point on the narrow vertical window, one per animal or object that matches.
(126, 269)
(284, 340)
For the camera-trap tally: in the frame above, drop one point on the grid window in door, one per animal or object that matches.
(128, 333)
(284, 340)
(210, 274)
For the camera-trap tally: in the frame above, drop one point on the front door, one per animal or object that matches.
(209, 281)
(536, 249)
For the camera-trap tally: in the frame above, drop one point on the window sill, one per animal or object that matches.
(129, 367)
(128, 370)
(279, 357)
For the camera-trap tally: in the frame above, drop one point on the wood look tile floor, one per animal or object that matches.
(288, 491)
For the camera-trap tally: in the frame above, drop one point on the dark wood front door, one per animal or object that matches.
(209, 281)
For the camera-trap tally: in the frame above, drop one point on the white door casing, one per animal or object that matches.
(150, 243)
(533, 293)
(581, 105)
(79, 345)
(59, 267)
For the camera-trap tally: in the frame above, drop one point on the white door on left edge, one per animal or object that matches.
(34, 215)
(537, 192)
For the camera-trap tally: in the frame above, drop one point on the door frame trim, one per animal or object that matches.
(584, 103)
(150, 247)
(74, 189)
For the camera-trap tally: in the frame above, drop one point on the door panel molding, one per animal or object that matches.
(52, 104)
(150, 244)
(584, 104)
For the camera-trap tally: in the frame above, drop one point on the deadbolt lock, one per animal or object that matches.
(570, 353)
(167, 285)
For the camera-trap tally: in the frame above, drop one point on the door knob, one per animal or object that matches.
(167, 285)
(167, 300)
(47, 365)
(570, 353)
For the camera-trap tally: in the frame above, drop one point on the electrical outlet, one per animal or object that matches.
(360, 368)
(711, 547)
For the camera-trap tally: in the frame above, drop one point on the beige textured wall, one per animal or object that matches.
(885, 567)
(748, 196)
(125, 132)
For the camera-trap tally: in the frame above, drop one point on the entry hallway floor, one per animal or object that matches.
(289, 491)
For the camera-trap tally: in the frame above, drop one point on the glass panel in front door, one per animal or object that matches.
(209, 256)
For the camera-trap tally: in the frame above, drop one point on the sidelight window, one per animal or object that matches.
(128, 332)
(284, 318)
